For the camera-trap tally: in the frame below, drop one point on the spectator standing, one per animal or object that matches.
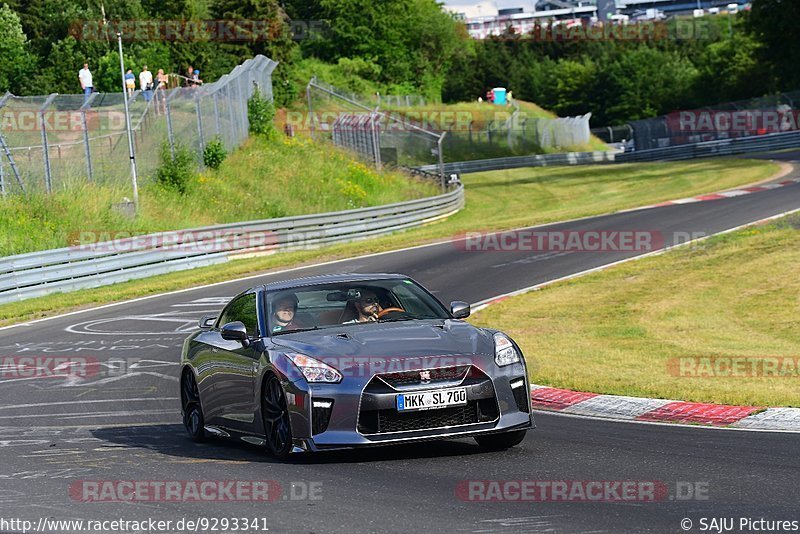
(161, 94)
(187, 82)
(146, 83)
(87, 84)
(196, 78)
(130, 82)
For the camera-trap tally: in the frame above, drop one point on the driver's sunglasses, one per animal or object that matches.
(369, 300)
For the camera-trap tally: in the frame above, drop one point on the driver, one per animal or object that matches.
(367, 307)
(284, 309)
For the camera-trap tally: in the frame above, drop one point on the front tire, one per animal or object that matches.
(193, 419)
(275, 414)
(501, 442)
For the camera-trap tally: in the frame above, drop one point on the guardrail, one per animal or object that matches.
(722, 147)
(42, 273)
(514, 162)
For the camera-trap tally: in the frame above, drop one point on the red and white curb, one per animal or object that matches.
(637, 409)
(721, 194)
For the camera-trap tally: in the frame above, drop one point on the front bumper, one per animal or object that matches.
(363, 413)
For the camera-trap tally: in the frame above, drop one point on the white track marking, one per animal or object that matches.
(38, 404)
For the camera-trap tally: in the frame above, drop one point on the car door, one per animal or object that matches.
(234, 367)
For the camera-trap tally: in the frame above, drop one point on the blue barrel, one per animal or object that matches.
(499, 96)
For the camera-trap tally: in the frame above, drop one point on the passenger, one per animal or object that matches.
(283, 314)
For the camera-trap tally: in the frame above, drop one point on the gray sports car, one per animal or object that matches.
(351, 360)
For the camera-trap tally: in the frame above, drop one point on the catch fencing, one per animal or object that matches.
(55, 142)
(428, 136)
(381, 138)
(771, 114)
(513, 134)
(96, 264)
(722, 147)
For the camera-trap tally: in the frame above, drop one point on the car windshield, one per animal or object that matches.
(335, 304)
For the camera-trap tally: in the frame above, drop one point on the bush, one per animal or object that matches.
(176, 173)
(261, 113)
(214, 154)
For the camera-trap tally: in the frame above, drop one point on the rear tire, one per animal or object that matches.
(275, 415)
(193, 419)
(500, 442)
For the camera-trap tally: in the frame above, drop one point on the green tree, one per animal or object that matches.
(411, 40)
(772, 22)
(570, 85)
(14, 57)
(642, 83)
(731, 69)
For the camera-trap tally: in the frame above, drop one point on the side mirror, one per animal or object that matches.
(459, 309)
(206, 322)
(235, 331)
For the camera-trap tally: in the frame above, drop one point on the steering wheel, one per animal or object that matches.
(385, 311)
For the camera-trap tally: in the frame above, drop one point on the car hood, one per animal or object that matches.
(399, 340)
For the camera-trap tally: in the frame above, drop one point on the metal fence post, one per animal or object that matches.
(170, 133)
(86, 149)
(197, 98)
(245, 98)
(376, 136)
(7, 152)
(48, 178)
(441, 160)
(216, 114)
(310, 109)
(11, 162)
(2, 179)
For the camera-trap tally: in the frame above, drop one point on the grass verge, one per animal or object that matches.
(673, 325)
(261, 180)
(496, 200)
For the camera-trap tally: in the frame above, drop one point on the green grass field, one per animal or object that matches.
(495, 201)
(262, 180)
(652, 327)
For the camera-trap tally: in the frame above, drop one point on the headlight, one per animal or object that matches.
(315, 370)
(504, 351)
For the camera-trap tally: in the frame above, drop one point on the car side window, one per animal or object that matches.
(242, 309)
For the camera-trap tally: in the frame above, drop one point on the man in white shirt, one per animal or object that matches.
(85, 77)
(146, 83)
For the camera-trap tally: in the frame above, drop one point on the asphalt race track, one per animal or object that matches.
(122, 422)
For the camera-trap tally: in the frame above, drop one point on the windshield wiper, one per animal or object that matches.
(406, 318)
(281, 332)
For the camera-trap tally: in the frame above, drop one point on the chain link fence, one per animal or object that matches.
(381, 138)
(731, 120)
(514, 134)
(55, 142)
(428, 137)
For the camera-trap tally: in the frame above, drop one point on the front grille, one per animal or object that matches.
(413, 378)
(394, 421)
(389, 420)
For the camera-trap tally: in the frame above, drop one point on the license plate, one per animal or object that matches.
(430, 400)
